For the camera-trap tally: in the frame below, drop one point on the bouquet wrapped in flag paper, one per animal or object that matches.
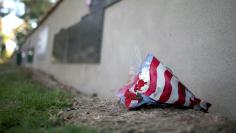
(156, 84)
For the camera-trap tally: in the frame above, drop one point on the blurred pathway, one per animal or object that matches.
(110, 116)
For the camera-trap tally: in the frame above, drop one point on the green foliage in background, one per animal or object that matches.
(36, 9)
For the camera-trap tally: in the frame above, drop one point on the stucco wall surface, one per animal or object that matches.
(195, 38)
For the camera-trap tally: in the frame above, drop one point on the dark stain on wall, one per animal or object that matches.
(81, 43)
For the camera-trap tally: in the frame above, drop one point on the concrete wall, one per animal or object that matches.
(195, 38)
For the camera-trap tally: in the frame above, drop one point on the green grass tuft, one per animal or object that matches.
(26, 106)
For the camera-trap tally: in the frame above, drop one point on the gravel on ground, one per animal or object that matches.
(110, 116)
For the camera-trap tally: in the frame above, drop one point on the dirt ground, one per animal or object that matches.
(110, 116)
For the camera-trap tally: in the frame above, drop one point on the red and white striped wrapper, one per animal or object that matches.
(156, 84)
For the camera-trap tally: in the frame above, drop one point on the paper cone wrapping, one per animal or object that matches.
(156, 84)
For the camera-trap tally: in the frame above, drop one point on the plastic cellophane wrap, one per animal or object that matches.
(156, 84)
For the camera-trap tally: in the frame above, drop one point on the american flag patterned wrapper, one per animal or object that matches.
(156, 84)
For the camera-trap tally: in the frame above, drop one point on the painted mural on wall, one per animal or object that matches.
(81, 43)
